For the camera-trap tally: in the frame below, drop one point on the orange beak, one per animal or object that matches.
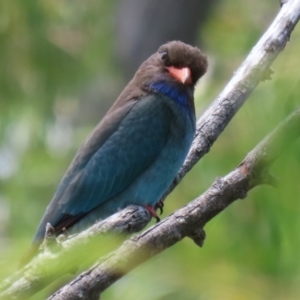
(183, 75)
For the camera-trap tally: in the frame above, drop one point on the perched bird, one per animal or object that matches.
(134, 153)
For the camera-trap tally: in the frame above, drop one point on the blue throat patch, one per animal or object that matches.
(171, 91)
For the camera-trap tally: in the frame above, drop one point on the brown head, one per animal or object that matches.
(173, 62)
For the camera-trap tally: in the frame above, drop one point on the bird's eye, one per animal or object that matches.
(164, 55)
(165, 58)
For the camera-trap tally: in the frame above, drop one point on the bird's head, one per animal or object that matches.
(174, 62)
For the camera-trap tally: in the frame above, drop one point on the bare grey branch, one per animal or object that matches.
(187, 221)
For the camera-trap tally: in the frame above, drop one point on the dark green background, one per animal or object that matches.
(57, 57)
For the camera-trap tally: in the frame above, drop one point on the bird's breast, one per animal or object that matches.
(148, 188)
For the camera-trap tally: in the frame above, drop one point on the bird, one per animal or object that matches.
(133, 154)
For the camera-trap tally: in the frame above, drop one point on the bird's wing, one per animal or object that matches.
(110, 161)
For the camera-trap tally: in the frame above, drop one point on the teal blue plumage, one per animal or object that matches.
(134, 153)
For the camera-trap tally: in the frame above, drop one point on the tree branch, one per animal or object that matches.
(254, 69)
(57, 259)
(187, 221)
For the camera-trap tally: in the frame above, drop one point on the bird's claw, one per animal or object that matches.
(152, 212)
(160, 205)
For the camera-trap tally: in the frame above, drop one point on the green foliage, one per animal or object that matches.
(51, 50)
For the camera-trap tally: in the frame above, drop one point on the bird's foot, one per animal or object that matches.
(152, 212)
(160, 205)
